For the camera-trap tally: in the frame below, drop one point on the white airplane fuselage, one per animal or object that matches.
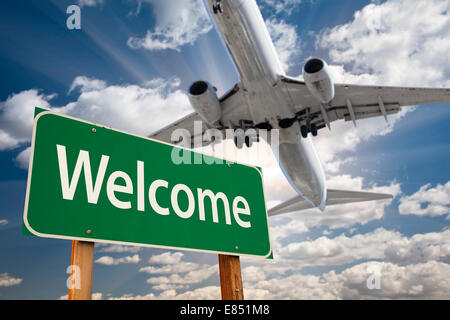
(245, 34)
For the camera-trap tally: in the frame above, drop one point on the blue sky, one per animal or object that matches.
(317, 255)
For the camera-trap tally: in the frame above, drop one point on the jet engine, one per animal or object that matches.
(318, 80)
(204, 100)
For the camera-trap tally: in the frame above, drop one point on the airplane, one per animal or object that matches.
(265, 98)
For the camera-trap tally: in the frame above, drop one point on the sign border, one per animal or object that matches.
(52, 236)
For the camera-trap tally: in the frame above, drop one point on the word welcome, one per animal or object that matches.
(93, 188)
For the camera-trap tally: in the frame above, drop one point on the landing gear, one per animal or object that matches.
(286, 123)
(248, 142)
(217, 7)
(304, 131)
(264, 126)
(313, 130)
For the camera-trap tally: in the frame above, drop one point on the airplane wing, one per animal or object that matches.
(234, 109)
(354, 102)
(333, 197)
(187, 122)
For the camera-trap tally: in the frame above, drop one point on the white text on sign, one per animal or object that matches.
(239, 204)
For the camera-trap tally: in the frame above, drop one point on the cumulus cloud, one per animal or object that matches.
(86, 84)
(178, 23)
(347, 215)
(417, 281)
(90, 3)
(282, 6)
(94, 296)
(23, 158)
(138, 109)
(3, 222)
(285, 40)
(387, 41)
(8, 281)
(427, 201)
(178, 274)
(427, 280)
(192, 277)
(178, 267)
(345, 137)
(166, 258)
(109, 261)
(204, 293)
(16, 117)
(385, 45)
(387, 245)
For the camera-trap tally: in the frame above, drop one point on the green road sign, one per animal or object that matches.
(90, 182)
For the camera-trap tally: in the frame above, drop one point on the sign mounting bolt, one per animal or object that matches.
(237, 247)
(94, 130)
(88, 231)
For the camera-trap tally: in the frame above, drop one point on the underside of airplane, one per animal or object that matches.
(266, 98)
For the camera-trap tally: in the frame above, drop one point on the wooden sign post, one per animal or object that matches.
(230, 277)
(82, 262)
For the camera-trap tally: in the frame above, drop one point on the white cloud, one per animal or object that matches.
(16, 117)
(192, 277)
(166, 258)
(287, 229)
(94, 296)
(90, 3)
(384, 45)
(347, 215)
(178, 23)
(427, 201)
(410, 270)
(109, 261)
(178, 274)
(416, 281)
(282, 6)
(178, 267)
(87, 84)
(396, 42)
(7, 281)
(23, 158)
(285, 40)
(3, 222)
(344, 137)
(426, 280)
(137, 109)
(204, 293)
(381, 244)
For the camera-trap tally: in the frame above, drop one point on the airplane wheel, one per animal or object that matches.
(304, 131)
(314, 130)
(247, 142)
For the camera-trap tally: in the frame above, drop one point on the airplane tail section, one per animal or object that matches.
(333, 197)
